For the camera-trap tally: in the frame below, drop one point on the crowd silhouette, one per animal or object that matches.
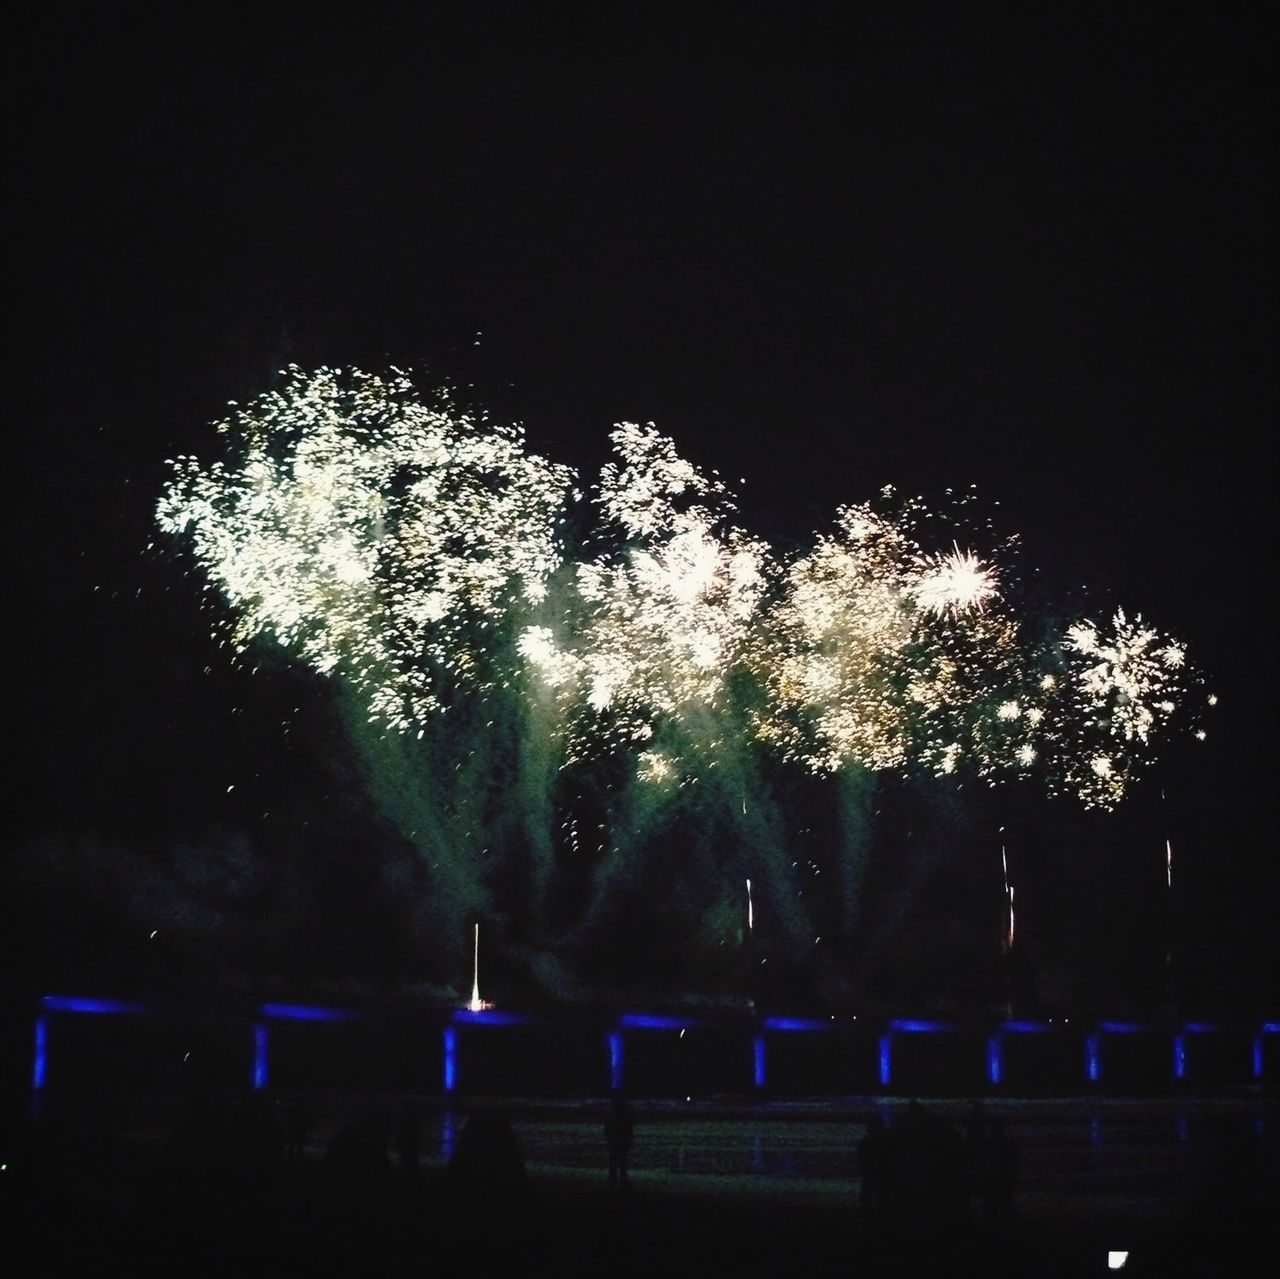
(619, 1133)
(255, 1186)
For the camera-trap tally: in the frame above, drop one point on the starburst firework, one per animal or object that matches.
(421, 558)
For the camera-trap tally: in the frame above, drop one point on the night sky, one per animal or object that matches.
(824, 247)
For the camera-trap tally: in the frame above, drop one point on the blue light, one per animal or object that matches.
(1267, 1028)
(1025, 1027)
(924, 1027)
(1122, 1027)
(72, 1004)
(884, 1060)
(614, 1038)
(450, 1058)
(39, 1061)
(796, 1023)
(304, 1012)
(1179, 1057)
(993, 1059)
(487, 1017)
(259, 1055)
(757, 1046)
(1092, 1058)
(652, 1021)
(1200, 1027)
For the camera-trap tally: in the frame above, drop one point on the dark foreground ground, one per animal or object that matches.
(226, 1194)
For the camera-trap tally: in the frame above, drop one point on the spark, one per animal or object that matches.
(954, 583)
(476, 1004)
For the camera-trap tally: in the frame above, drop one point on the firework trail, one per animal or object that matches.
(1009, 927)
(530, 701)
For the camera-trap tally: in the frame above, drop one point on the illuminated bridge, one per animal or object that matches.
(395, 1046)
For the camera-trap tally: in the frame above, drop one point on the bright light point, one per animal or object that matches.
(653, 766)
(476, 1004)
(155, 932)
(954, 583)
(1116, 1260)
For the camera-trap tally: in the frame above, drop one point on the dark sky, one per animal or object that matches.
(827, 247)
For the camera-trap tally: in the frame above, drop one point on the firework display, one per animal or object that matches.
(514, 638)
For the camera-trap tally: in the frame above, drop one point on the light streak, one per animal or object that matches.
(1008, 897)
(476, 1004)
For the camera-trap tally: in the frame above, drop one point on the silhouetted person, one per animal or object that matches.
(975, 1131)
(196, 1191)
(975, 1124)
(997, 1176)
(485, 1192)
(409, 1141)
(486, 1167)
(350, 1205)
(929, 1185)
(873, 1166)
(1237, 1190)
(619, 1131)
(297, 1127)
(258, 1143)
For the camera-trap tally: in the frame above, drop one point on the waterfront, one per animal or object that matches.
(1162, 1143)
(1140, 1158)
(752, 1187)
